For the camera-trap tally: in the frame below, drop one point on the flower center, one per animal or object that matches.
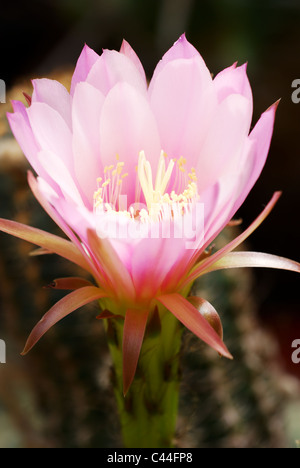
(157, 201)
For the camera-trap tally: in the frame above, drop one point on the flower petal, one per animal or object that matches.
(85, 62)
(252, 260)
(109, 262)
(133, 335)
(60, 174)
(35, 187)
(106, 314)
(22, 131)
(225, 198)
(39, 251)
(223, 146)
(233, 80)
(61, 309)
(183, 101)
(46, 240)
(55, 95)
(255, 155)
(181, 49)
(61, 222)
(162, 254)
(71, 283)
(51, 131)
(127, 50)
(191, 318)
(86, 110)
(127, 126)
(113, 67)
(201, 267)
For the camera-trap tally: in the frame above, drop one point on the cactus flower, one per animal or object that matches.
(141, 179)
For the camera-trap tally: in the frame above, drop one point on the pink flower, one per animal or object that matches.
(142, 179)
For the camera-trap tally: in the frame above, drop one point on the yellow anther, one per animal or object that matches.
(108, 168)
(107, 182)
(159, 203)
(181, 161)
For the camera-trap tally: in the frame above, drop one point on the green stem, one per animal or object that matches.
(148, 413)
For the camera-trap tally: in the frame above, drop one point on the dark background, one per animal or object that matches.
(39, 36)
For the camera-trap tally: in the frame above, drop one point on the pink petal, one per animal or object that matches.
(61, 309)
(254, 259)
(248, 169)
(76, 215)
(86, 111)
(73, 219)
(233, 80)
(118, 278)
(60, 174)
(182, 49)
(55, 95)
(44, 239)
(256, 153)
(22, 131)
(51, 131)
(112, 68)
(223, 146)
(127, 50)
(152, 261)
(204, 265)
(183, 101)
(133, 335)
(52, 212)
(191, 318)
(127, 126)
(85, 62)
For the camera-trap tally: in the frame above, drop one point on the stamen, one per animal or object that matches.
(160, 170)
(159, 203)
(167, 176)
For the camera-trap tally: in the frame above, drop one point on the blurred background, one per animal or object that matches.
(59, 395)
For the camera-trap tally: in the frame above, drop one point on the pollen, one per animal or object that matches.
(152, 193)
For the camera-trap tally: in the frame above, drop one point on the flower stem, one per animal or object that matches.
(148, 412)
